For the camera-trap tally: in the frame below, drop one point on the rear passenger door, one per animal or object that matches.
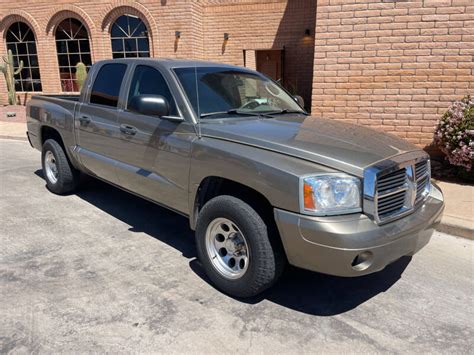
(155, 158)
(98, 132)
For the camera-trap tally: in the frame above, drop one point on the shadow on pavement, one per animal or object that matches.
(300, 290)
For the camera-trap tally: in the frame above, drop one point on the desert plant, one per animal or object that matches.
(9, 72)
(454, 134)
(81, 74)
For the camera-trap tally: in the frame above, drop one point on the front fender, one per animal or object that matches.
(274, 175)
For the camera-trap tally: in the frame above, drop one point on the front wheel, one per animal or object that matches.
(234, 247)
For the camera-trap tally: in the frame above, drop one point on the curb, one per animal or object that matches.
(448, 226)
(15, 138)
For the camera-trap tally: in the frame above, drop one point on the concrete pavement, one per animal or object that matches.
(102, 270)
(13, 127)
(458, 217)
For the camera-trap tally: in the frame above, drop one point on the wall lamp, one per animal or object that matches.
(226, 36)
(307, 32)
(177, 34)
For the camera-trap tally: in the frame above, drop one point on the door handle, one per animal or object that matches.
(84, 119)
(129, 130)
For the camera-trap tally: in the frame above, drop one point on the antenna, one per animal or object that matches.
(198, 106)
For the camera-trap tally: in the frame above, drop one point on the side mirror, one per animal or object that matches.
(299, 100)
(151, 105)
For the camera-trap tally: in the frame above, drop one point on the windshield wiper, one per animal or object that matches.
(284, 111)
(235, 112)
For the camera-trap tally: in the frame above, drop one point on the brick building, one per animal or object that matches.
(391, 64)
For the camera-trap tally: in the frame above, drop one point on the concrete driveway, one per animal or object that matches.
(102, 270)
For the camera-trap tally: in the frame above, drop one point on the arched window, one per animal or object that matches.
(129, 37)
(72, 44)
(21, 40)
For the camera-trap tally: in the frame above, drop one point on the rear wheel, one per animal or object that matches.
(61, 177)
(234, 248)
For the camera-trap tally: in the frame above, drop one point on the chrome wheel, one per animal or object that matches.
(227, 248)
(51, 167)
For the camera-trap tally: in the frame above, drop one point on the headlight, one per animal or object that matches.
(329, 194)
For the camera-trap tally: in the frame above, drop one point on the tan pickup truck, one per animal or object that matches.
(262, 183)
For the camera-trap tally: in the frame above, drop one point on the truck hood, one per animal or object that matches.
(338, 145)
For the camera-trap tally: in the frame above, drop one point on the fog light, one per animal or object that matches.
(362, 261)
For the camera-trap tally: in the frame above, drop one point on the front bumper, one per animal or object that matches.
(355, 245)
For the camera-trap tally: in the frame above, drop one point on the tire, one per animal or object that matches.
(62, 179)
(263, 265)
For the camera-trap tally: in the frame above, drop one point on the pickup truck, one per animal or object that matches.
(262, 182)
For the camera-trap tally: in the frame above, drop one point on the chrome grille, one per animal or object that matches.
(395, 187)
(422, 176)
(391, 193)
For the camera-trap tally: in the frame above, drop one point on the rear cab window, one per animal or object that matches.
(107, 84)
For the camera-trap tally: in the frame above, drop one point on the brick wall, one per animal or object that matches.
(264, 24)
(393, 65)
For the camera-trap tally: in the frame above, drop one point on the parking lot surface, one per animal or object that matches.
(102, 270)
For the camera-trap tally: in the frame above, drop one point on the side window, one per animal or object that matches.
(149, 81)
(108, 81)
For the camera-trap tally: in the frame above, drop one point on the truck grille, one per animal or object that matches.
(422, 176)
(391, 193)
(393, 190)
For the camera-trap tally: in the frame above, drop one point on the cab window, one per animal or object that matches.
(106, 88)
(149, 81)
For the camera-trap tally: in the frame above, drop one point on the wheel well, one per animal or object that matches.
(51, 133)
(215, 186)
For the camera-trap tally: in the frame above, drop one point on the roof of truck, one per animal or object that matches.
(170, 63)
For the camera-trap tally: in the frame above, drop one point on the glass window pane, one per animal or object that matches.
(32, 48)
(106, 88)
(117, 45)
(25, 59)
(86, 59)
(34, 61)
(35, 73)
(63, 60)
(74, 59)
(130, 45)
(37, 86)
(12, 47)
(143, 44)
(84, 45)
(21, 48)
(73, 46)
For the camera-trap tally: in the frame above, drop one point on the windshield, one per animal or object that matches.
(214, 90)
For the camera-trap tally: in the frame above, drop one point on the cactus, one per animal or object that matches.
(9, 71)
(81, 74)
